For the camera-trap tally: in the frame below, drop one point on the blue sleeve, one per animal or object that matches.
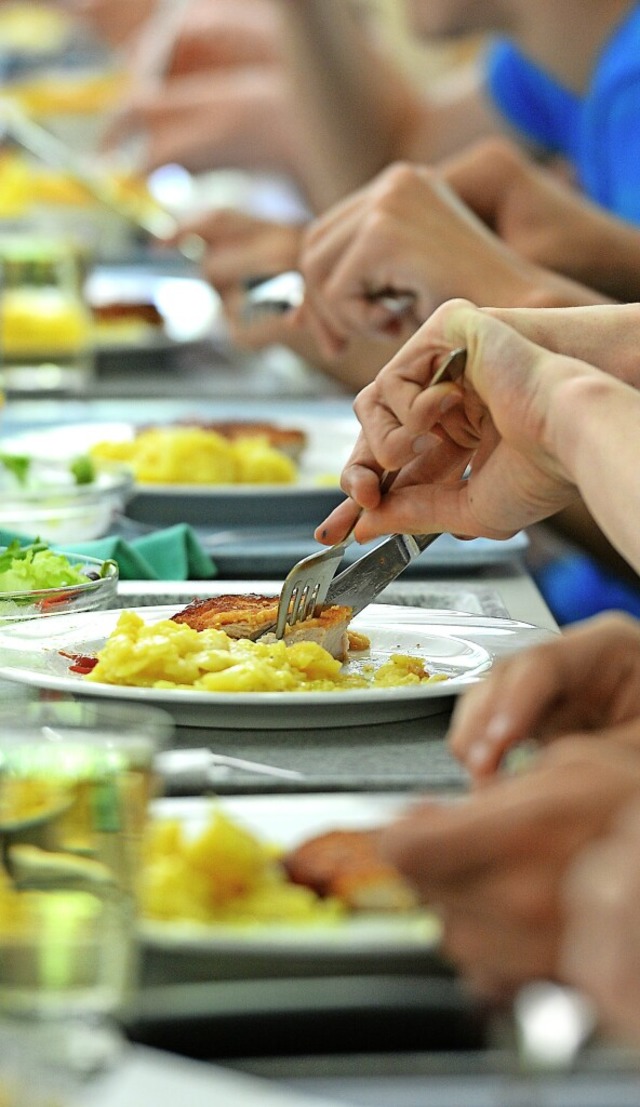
(610, 172)
(530, 101)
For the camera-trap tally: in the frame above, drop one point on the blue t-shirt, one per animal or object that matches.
(599, 132)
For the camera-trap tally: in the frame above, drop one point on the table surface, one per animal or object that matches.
(228, 1008)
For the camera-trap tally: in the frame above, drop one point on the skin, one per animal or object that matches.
(242, 246)
(534, 425)
(601, 951)
(545, 220)
(494, 865)
(115, 21)
(389, 117)
(584, 681)
(409, 232)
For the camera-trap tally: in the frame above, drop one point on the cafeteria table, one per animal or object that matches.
(361, 1028)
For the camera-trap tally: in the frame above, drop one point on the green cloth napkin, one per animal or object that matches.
(171, 554)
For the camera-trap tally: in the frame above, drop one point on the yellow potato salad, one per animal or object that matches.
(222, 875)
(173, 655)
(190, 455)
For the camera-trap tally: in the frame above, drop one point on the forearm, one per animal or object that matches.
(352, 99)
(606, 256)
(605, 336)
(593, 431)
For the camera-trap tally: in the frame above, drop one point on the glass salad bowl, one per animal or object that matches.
(47, 500)
(60, 583)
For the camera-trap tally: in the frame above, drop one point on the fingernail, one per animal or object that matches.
(479, 755)
(497, 729)
(424, 442)
(449, 401)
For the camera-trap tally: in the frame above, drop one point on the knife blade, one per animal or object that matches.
(358, 586)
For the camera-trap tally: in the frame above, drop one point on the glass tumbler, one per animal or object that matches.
(46, 326)
(75, 782)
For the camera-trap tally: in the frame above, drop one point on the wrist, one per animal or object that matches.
(578, 411)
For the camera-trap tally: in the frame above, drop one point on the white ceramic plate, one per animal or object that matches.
(329, 443)
(461, 646)
(286, 821)
(216, 506)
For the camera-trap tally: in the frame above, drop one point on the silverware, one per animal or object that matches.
(308, 585)
(305, 586)
(284, 292)
(200, 767)
(47, 147)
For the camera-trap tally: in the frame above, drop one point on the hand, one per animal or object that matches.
(545, 219)
(240, 117)
(601, 947)
(585, 680)
(241, 246)
(494, 864)
(406, 232)
(499, 419)
(232, 33)
(115, 21)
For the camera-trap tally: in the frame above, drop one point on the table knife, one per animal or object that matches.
(358, 586)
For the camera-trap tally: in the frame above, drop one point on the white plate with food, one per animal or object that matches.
(277, 921)
(320, 448)
(455, 647)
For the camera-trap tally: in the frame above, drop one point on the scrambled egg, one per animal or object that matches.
(224, 875)
(190, 455)
(173, 655)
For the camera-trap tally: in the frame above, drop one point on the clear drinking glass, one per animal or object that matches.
(46, 326)
(75, 782)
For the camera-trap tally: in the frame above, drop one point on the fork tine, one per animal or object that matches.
(306, 585)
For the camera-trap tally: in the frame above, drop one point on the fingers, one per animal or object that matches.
(484, 174)
(601, 948)
(584, 679)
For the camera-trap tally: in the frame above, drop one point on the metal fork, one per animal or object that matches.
(306, 585)
(279, 294)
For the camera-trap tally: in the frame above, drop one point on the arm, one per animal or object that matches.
(361, 108)
(546, 220)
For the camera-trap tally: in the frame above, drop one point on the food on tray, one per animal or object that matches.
(51, 93)
(190, 455)
(26, 568)
(253, 617)
(168, 654)
(346, 864)
(27, 185)
(123, 321)
(290, 440)
(223, 875)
